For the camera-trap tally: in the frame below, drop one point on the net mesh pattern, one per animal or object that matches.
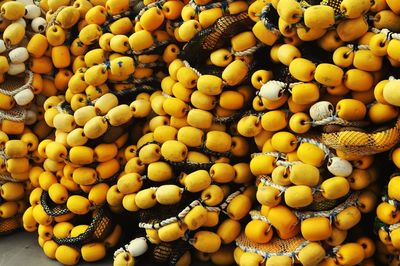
(16, 114)
(7, 178)
(319, 203)
(276, 247)
(189, 167)
(322, 204)
(351, 200)
(354, 141)
(99, 228)
(14, 84)
(51, 208)
(335, 124)
(161, 212)
(9, 225)
(170, 252)
(213, 38)
(335, 4)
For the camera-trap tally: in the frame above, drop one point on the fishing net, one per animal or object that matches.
(159, 213)
(212, 38)
(363, 142)
(276, 247)
(17, 114)
(9, 225)
(170, 252)
(14, 84)
(52, 209)
(335, 4)
(320, 203)
(99, 228)
(351, 200)
(11, 86)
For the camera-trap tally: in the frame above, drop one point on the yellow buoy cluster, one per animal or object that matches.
(19, 111)
(14, 178)
(314, 187)
(387, 222)
(186, 176)
(230, 132)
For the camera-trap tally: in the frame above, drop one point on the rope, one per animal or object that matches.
(53, 19)
(316, 143)
(354, 48)
(274, 89)
(287, 164)
(199, 8)
(278, 155)
(351, 201)
(393, 202)
(4, 157)
(17, 114)
(393, 227)
(155, 4)
(265, 19)
(248, 51)
(335, 120)
(186, 63)
(389, 34)
(358, 47)
(27, 85)
(118, 251)
(264, 180)
(181, 215)
(8, 178)
(324, 121)
(256, 215)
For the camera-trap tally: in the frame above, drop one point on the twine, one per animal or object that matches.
(181, 215)
(27, 85)
(389, 34)
(248, 51)
(292, 254)
(199, 8)
(264, 18)
(351, 201)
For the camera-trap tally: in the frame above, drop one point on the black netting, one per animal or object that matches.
(10, 225)
(170, 253)
(235, 117)
(128, 95)
(65, 106)
(212, 38)
(205, 150)
(99, 228)
(189, 167)
(313, 2)
(161, 212)
(50, 207)
(311, 51)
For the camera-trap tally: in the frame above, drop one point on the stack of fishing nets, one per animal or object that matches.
(74, 200)
(189, 181)
(19, 110)
(318, 128)
(181, 115)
